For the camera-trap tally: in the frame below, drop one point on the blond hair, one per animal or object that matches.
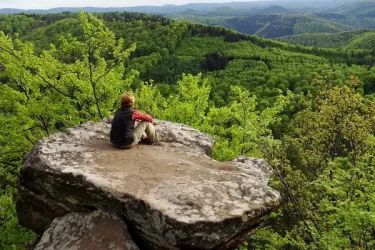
(127, 100)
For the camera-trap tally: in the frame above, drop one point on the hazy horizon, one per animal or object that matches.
(45, 4)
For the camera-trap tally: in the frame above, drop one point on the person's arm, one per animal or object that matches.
(139, 116)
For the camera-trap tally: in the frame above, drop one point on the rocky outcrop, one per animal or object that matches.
(171, 196)
(82, 231)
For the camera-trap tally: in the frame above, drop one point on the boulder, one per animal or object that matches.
(171, 196)
(87, 231)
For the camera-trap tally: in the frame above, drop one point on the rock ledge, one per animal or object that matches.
(171, 196)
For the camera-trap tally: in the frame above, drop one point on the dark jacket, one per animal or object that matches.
(122, 127)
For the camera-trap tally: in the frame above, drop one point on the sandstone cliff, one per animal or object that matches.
(171, 196)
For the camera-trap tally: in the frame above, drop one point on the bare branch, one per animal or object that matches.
(294, 200)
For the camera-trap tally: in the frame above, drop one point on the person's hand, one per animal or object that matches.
(108, 119)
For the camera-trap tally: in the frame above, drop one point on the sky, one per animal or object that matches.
(47, 4)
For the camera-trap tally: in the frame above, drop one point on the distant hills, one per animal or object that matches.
(271, 19)
(254, 7)
(286, 19)
(360, 8)
(274, 9)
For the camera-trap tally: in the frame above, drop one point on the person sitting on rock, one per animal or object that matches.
(124, 133)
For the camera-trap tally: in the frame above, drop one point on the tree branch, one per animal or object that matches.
(106, 73)
(93, 84)
(294, 200)
(54, 87)
(28, 138)
(45, 125)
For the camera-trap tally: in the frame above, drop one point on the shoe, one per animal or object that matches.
(144, 141)
(157, 143)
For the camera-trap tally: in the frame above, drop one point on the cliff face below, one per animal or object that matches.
(171, 196)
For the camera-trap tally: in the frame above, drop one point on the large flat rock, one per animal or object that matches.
(172, 196)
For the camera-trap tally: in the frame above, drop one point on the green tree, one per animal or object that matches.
(190, 104)
(43, 93)
(325, 168)
(240, 129)
(98, 71)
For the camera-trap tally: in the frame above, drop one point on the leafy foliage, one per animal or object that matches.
(308, 111)
(12, 235)
(325, 171)
(41, 94)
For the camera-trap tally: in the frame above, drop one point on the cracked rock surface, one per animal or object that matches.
(172, 196)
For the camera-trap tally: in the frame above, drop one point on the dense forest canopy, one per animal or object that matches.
(309, 112)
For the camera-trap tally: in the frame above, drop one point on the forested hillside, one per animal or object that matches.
(365, 8)
(280, 25)
(277, 25)
(269, 19)
(278, 21)
(351, 40)
(309, 112)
